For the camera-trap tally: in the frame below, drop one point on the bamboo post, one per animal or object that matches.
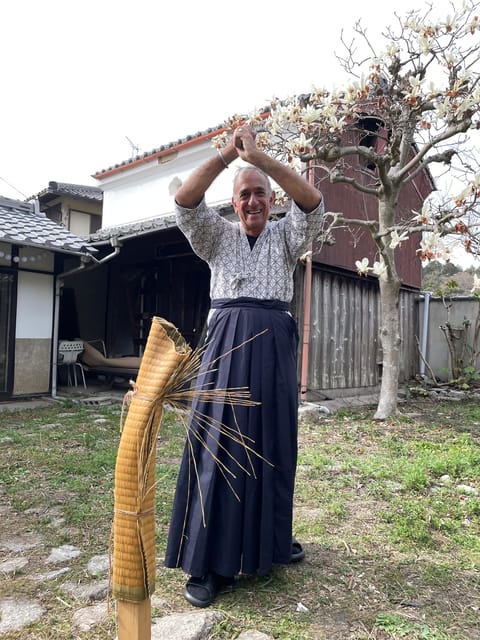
(134, 511)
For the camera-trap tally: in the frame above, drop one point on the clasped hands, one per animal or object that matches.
(243, 141)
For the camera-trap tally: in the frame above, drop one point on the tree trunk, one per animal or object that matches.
(390, 342)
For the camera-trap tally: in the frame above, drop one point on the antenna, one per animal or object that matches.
(135, 147)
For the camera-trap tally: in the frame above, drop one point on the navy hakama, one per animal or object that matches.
(232, 510)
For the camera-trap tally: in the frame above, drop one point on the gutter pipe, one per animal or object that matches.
(306, 328)
(423, 344)
(306, 315)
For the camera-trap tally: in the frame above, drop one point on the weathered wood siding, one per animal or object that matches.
(344, 348)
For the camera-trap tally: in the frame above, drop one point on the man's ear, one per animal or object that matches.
(273, 197)
(234, 204)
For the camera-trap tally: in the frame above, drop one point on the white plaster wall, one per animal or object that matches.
(79, 223)
(147, 191)
(34, 305)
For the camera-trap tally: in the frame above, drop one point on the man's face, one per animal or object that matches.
(252, 201)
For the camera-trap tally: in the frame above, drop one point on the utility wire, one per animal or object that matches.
(14, 188)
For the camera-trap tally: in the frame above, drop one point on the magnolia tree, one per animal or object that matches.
(422, 94)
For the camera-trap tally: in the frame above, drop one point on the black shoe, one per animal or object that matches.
(298, 552)
(201, 592)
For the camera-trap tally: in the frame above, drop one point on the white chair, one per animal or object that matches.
(68, 352)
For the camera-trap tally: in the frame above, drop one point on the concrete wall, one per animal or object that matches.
(454, 310)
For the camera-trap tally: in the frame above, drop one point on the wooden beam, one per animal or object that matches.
(134, 620)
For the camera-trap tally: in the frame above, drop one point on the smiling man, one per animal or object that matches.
(232, 511)
(252, 200)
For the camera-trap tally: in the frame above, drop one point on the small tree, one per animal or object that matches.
(417, 102)
(464, 341)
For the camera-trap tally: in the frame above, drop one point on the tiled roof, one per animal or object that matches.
(85, 192)
(142, 227)
(20, 224)
(132, 229)
(168, 148)
(164, 148)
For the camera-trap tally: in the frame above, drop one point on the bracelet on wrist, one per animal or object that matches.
(225, 164)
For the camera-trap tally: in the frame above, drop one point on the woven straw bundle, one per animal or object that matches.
(134, 525)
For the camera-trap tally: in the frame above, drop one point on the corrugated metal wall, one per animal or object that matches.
(344, 350)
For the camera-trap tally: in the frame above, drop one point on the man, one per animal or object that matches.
(233, 504)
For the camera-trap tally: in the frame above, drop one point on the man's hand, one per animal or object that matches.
(244, 142)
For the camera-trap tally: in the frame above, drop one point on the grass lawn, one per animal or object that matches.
(388, 513)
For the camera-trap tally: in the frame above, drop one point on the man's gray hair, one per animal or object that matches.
(251, 167)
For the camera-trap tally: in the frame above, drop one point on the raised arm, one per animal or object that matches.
(243, 144)
(302, 192)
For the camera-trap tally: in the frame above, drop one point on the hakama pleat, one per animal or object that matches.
(233, 503)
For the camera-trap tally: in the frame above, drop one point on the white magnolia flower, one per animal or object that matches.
(476, 182)
(472, 188)
(474, 24)
(318, 93)
(464, 106)
(450, 22)
(413, 23)
(416, 84)
(463, 77)
(300, 145)
(450, 59)
(362, 266)
(310, 115)
(432, 89)
(392, 50)
(336, 125)
(463, 195)
(379, 267)
(444, 109)
(396, 240)
(424, 216)
(432, 242)
(424, 43)
(476, 95)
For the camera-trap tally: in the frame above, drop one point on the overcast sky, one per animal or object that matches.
(83, 82)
